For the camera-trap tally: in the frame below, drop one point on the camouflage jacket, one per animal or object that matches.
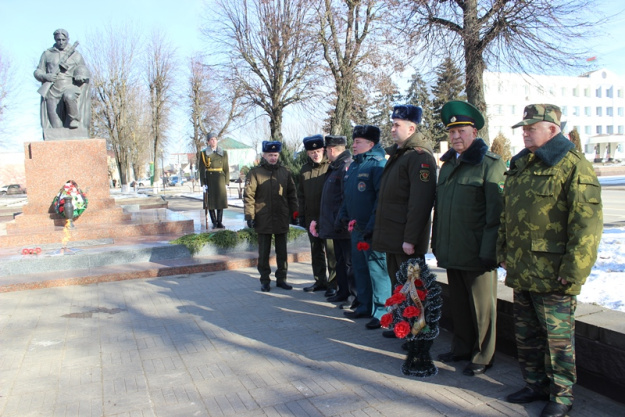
(552, 220)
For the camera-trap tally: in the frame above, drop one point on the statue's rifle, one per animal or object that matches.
(45, 87)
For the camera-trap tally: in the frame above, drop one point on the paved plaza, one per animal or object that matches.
(212, 344)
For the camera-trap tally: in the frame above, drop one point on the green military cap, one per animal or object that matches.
(461, 113)
(535, 113)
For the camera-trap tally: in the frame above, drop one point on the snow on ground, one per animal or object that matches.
(606, 284)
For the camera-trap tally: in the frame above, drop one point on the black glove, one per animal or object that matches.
(340, 225)
(251, 223)
(488, 264)
(367, 235)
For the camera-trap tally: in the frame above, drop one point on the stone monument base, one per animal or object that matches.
(48, 166)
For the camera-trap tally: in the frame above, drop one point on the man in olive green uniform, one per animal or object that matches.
(469, 201)
(270, 204)
(550, 230)
(407, 189)
(311, 179)
(214, 174)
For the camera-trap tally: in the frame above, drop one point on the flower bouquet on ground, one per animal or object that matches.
(70, 202)
(414, 310)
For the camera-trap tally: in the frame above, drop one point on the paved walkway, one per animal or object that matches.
(212, 344)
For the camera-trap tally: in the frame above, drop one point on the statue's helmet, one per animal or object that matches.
(81, 73)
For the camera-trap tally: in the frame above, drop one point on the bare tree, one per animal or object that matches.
(161, 71)
(271, 51)
(344, 28)
(117, 94)
(214, 101)
(5, 84)
(524, 35)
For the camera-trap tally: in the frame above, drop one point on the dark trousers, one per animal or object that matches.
(393, 263)
(320, 251)
(344, 273)
(544, 327)
(264, 248)
(473, 304)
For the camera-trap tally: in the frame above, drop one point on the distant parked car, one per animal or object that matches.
(176, 180)
(12, 189)
(143, 182)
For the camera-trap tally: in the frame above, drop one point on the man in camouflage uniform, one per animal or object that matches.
(548, 239)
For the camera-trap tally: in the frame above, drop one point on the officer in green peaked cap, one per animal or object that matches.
(459, 113)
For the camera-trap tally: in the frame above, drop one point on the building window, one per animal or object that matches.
(598, 92)
(576, 92)
(610, 129)
(587, 111)
(599, 129)
(609, 92)
(609, 111)
(527, 90)
(563, 91)
(575, 110)
(513, 109)
(587, 92)
(588, 130)
(621, 111)
(619, 93)
(565, 111)
(621, 129)
(599, 111)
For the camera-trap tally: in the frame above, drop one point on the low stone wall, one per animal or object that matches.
(599, 340)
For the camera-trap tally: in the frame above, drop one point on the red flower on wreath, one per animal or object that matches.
(411, 311)
(401, 329)
(422, 294)
(419, 283)
(386, 320)
(362, 246)
(397, 289)
(397, 298)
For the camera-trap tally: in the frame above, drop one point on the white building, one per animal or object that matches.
(593, 103)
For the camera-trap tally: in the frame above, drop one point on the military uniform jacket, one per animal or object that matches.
(362, 184)
(270, 198)
(311, 179)
(214, 172)
(406, 198)
(332, 198)
(469, 201)
(552, 220)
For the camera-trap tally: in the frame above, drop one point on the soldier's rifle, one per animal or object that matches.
(46, 86)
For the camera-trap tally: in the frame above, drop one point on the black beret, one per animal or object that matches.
(313, 142)
(335, 140)
(408, 112)
(272, 146)
(368, 132)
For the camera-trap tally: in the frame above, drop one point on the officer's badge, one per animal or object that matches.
(500, 184)
(453, 119)
(424, 175)
(362, 186)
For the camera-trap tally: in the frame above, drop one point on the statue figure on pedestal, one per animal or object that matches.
(65, 95)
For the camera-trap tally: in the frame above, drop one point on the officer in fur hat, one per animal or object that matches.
(407, 188)
(469, 200)
(362, 185)
(311, 179)
(270, 204)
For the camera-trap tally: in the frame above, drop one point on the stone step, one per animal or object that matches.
(77, 256)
